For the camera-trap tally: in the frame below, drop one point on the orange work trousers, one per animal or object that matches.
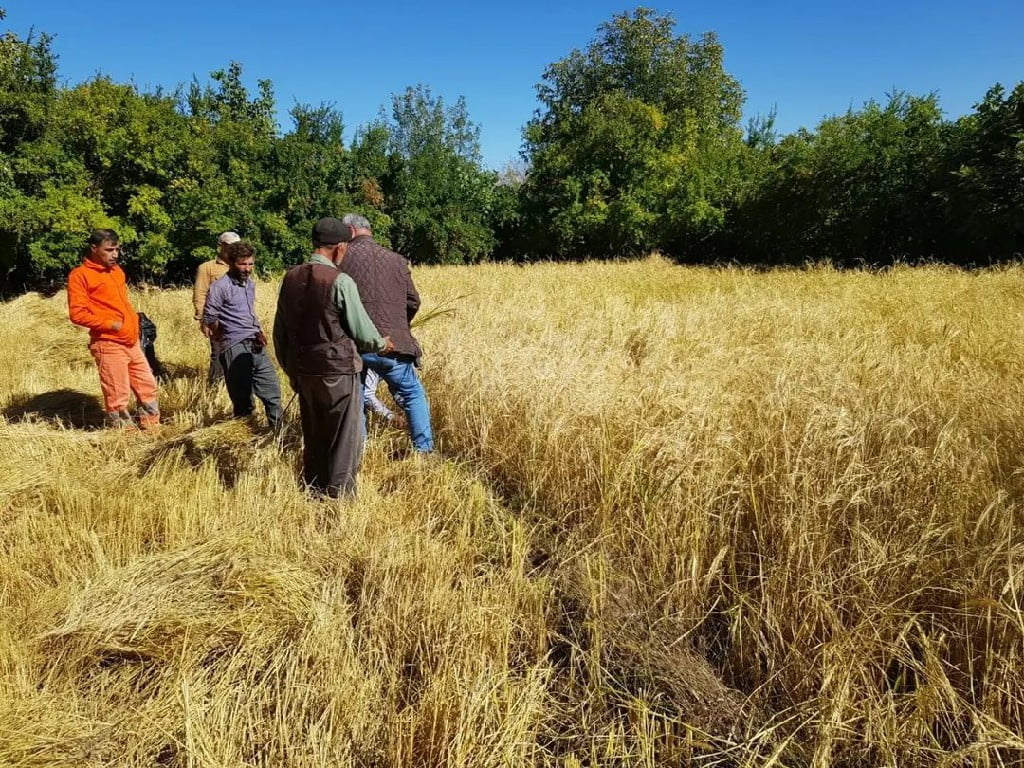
(124, 370)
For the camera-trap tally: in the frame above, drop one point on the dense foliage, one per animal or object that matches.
(169, 171)
(637, 142)
(889, 182)
(636, 147)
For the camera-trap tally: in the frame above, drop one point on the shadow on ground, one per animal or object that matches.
(172, 371)
(65, 407)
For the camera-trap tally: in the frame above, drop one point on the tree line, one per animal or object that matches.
(637, 146)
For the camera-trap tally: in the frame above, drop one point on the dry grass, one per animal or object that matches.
(684, 516)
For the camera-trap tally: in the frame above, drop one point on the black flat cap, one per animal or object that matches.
(331, 231)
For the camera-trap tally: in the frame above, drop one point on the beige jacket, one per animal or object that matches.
(206, 274)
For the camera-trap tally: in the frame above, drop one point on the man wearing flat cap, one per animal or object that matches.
(319, 330)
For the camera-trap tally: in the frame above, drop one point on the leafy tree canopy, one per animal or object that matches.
(636, 141)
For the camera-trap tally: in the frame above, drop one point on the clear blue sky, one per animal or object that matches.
(808, 59)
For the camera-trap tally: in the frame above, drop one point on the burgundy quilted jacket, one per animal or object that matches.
(386, 290)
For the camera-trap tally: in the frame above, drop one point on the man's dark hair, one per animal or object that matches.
(100, 236)
(240, 250)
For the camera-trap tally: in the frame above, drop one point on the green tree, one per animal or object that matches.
(637, 142)
(507, 215)
(28, 88)
(133, 147)
(311, 175)
(984, 180)
(435, 191)
(231, 178)
(859, 189)
(371, 173)
(28, 79)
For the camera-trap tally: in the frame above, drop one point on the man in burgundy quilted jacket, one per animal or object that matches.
(391, 300)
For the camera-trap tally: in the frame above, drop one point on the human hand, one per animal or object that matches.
(389, 345)
(205, 331)
(116, 325)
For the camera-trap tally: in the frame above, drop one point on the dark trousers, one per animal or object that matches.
(248, 371)
(332, 432)
(216, 369)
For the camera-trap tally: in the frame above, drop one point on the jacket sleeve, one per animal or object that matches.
(280, 335)
(212, 306)
(200, 291)
(80, 309)
(412, 296)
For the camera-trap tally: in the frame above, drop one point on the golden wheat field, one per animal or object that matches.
(680, 517)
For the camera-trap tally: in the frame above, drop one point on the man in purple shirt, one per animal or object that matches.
(230, 316)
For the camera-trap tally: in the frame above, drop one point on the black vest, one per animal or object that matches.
(318, 344)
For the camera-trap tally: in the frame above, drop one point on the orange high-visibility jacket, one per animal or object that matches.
(97, 298)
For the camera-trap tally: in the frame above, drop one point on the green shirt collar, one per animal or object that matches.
(316, 258)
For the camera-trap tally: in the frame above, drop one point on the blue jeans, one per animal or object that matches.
(407, 391)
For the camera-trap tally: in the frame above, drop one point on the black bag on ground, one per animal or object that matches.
(147, 336)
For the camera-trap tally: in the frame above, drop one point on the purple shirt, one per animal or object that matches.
(232, 303)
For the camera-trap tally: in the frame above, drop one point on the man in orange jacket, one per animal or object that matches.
(98, 300)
